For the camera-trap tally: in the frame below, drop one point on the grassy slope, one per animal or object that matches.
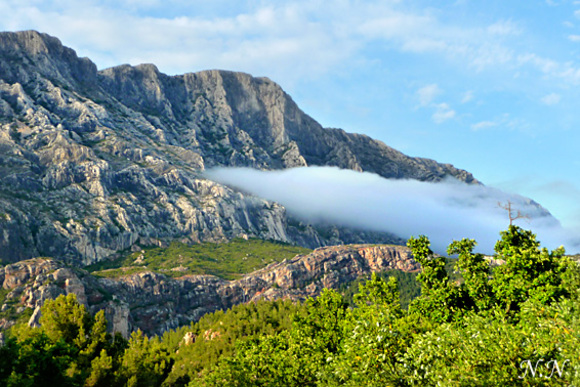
(227, 260)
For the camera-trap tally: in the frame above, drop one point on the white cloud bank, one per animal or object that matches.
(442, 211)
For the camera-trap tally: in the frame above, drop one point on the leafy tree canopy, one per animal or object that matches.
(514, 324)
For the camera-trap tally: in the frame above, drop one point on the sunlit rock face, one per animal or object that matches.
(155, 303)
(93, 162)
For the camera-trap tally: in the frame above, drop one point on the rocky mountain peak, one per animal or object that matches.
(92, 163)
(28, 53)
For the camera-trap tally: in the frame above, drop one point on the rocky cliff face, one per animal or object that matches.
(93, 162)
(155, 303)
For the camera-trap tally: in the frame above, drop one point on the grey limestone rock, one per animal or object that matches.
(93, 162)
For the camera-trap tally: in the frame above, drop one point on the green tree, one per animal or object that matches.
(146, 362)
(322, 321)
(476, 272)
(375, 333)
(529, 272)
(102, 371)
(216, 334)
(272, 360)
(440, 300)
(71, 347)
(36, 361)
(380, 294)
(521, 311)
(297, 357)
(65, 319)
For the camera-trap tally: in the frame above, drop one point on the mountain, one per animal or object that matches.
(95, 162)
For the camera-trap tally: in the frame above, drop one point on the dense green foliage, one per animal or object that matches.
(516, 324)
(408, 286)
(72, 348)
(216, 336)
(227, 260)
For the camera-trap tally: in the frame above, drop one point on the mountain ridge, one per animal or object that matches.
(95, 162)
(155, 303)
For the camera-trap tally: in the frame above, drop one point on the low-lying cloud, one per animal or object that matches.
(444, 211)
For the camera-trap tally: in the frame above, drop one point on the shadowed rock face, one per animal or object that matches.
(93, 162)
(155, 303)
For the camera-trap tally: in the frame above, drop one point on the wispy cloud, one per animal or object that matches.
(427, 94)
(391, 24)
(567, 72)
(294, 38)
(467, 97)
(551, 99)
(284, 40)
(442, 113)
(504, 122)
(504, 27)
(443, 211)
(484, 125)
(480, 47)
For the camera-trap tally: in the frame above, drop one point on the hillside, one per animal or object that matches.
(153, 301)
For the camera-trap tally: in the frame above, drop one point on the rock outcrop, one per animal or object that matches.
(93, 162)
(155, 303)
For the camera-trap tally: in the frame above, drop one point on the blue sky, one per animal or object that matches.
(489, 86)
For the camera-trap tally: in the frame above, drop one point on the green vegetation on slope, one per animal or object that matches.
(216, 336)
(512, 325)
(408, 286)
(486, 330)
(227, 260)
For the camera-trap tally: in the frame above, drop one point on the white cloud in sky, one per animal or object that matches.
(467, 96)
(551, 99)
(505, 121)
(427, 94)
(568, 72)
(543, 64)
(443, 211)
(392, 24)
(504, 27)
(491, 55)
(480, 47)
(574, 38)
(289, 40)
(442, 113)
(269, 40)
(484, 125)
